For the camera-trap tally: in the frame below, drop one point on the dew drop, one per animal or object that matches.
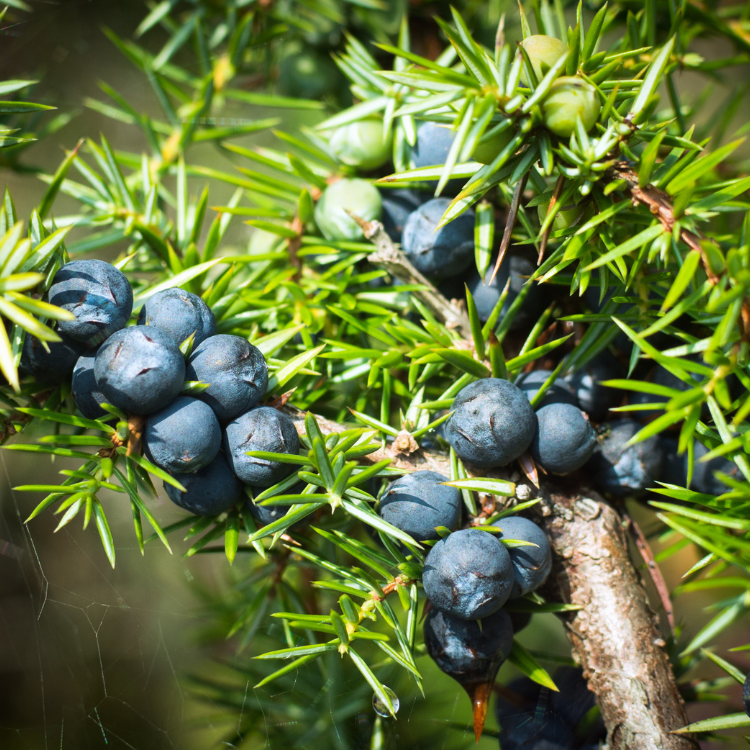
(380, 706)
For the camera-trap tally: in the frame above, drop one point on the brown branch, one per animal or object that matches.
(660, 205)
(658, 202)
(614, 634)
(393, 260)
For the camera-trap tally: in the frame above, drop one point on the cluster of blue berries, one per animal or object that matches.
(469, 575)
(201, 440)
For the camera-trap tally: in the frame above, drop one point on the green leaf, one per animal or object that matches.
(373, 681)
(177, 280)
(653, 78)
(522, 659)
(104, 532)
(284, 374)
(464, 361)
(730, 721)
(490, 486)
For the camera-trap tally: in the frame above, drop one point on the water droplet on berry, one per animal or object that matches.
(380, 706)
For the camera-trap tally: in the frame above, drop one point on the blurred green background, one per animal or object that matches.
(92, 657)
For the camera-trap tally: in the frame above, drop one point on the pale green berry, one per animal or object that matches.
(575, 215)
(365, 144)
(570, 98)
(544, 52)
(359, 197)
(487, 149)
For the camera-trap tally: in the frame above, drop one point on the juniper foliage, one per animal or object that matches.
(664, 245)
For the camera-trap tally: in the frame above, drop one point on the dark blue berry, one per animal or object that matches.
(746, 695)
(397, 205)
(51, 366)
(466, 649)
(139, 370)
(625, 471)
(99, 296)
(418, 503)
(468, 574)
(674, 466)
(487, 293)
(180, 314)
(531, 565)
(86, 392)
(593, 397)
(433, 144)
(438, 253)
(564, 438)
(236, 371)
(183, 437)
(492, 424)
(212, 490)
(703, 472)
(260, 429)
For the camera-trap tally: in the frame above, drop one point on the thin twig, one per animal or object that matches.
(510, 223)
(393, 260)
(654, 571)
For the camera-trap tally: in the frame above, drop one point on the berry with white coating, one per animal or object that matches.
(180, 314)
(86, 392)
(622, 470)
(183, 437)
(235, 370)
(531, 564)
(260, 429)
(99, 296)
(438, 253)
(564, 438)
(468, 574)
(209, 491)
(139, 370)
(418, 503)
(492, 423)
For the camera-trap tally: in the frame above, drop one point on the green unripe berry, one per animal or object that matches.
(359, 197)
(544, 52)
(488, 147)
(568, 99)
(365, 144)
(575, 215)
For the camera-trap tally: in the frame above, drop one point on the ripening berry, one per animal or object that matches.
(544, 52)
(567, 217)
(569, 99)
(365, 144)
(357, 196)
(489, 146)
